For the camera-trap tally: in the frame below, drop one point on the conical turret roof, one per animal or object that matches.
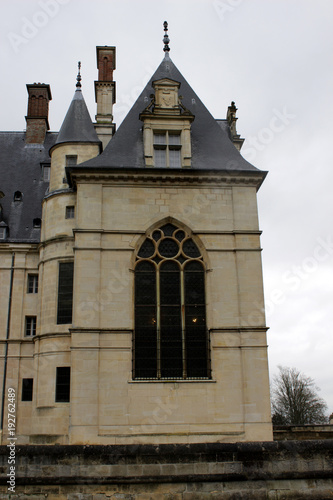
(212, 148)
(77, 125)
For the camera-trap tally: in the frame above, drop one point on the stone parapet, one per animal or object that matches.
(261, 470)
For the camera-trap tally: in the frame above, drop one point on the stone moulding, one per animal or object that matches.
(170, 177)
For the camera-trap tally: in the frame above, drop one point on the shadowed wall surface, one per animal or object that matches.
(267, 470)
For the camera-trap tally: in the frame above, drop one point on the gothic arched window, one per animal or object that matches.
(171, 339)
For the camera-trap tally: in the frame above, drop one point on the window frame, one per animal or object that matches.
(62, 319)
(32, 283)
(30, 326)
(63, 389)
(188, 346)
(70, 212)
(46, 173)
(27, 392)
(167, 146)
(71, 160)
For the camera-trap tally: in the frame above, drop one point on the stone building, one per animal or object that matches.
(131, 281)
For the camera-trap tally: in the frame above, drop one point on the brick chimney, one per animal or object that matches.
(39, 95)
(105, 93)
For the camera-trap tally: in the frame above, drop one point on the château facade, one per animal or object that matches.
(131, 272)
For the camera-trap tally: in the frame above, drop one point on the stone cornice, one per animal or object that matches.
(169, 177)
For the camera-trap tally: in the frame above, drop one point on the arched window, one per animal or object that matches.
(171, 339)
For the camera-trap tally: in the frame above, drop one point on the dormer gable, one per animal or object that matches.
(166, 127)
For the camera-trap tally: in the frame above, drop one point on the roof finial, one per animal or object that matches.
(166, 39)
(78, 78)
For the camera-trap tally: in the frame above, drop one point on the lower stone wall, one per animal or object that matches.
(269, 470)
(302, 432)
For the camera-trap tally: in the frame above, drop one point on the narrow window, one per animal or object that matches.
(3, 233)
(63, 381)
(46, 173)
(32, 283)
(70, 212)
(71, 160)
(27, 389)
(65, 292)
(171, 340)
(145, 320)
(30, 326)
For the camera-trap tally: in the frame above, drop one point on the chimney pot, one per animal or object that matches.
(39, 95)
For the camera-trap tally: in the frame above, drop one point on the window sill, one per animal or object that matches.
(172, 381)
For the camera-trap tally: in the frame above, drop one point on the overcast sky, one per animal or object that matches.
(274, 59)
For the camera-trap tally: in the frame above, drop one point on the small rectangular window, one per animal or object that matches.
(65, 293)
(3, 233)
(63, 380)
(167, 150)
(27, 389)
(32, 283)
(70, 212)
(46, 173)
(71, 160)
(30, 326)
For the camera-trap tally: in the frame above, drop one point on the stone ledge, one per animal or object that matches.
(149, 464)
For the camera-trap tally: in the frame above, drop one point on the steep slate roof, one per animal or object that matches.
(211, 145)
(77, 125)
(21, 170)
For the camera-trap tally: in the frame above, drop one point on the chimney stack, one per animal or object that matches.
(39, 95)
(105, 93)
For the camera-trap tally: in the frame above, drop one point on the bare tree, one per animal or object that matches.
(295, 400)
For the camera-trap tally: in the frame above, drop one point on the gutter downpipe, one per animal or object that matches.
(7, 337)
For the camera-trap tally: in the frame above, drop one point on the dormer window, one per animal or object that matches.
(167, 127)
(3, 230)
(37, 222)
(46, 173)
(71, 160)
(3, 233)
(18, 196)
(167, 149)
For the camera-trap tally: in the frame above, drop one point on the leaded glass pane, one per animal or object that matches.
(157, 235)
(168, 229)
(145, 288)
(160, 139)
(195, 321)
(169, 284)
(147, 249)
(160, 158)
(168, 248)
(180, 235)
(174, 139)
(171, 341)
(170, 328)
(145, 340)
(174, 158)
(191, 249)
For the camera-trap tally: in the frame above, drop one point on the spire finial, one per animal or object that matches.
(166, 39)
(78, 78)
